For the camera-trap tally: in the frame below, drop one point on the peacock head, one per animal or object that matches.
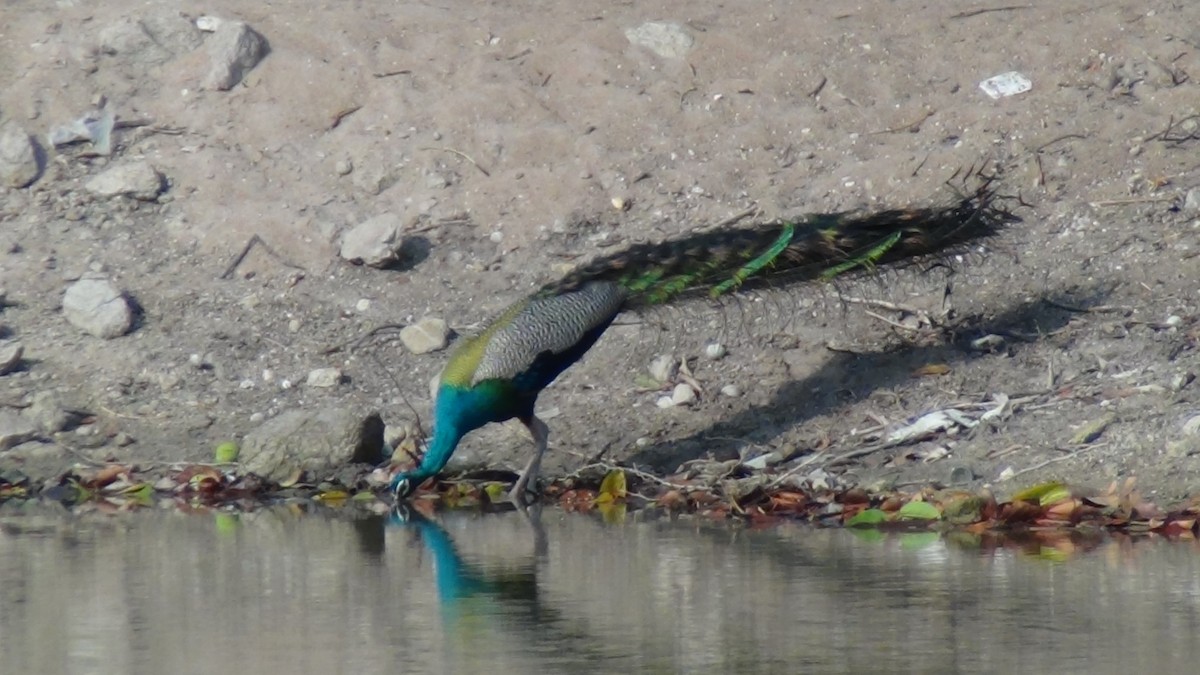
(403, 485)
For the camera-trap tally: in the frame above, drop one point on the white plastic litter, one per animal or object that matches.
(1006, 84)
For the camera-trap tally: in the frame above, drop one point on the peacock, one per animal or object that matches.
(497, 373)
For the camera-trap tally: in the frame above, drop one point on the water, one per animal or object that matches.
(281, 591)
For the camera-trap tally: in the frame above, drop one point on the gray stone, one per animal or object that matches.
(11, 352)
(665, 38)
(128, 39)
(152, 39)
(138, 180)
(14, 430)
(48, 413)
(1191, 203)
(427, 335)
(19, 165)
(317, 443)
(96, 306)
(233, 50)
(375, 242)
(324, 377)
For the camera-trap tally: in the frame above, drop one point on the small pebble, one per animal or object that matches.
(715, 351)
(324, 377)
(665, 402)
(257, 417)
(496, 237)
(427, 335)
(343, 167)
(731, 390)
(294, 326)
(362, 305)
(620, 203)
(246, 384)
(683, 394)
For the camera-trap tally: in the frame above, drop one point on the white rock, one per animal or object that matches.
(683, 394)
(19, 166)
(715, 350)
(14, 430)
(731, 390)
(208, 24)
(138, 180)
(427, 335)
(664, 402)
(324, 377)
(96, 306)
(233, 50)
(375, 242)
(10, 355)
(665, 38)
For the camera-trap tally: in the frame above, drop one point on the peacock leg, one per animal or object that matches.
(541, 436)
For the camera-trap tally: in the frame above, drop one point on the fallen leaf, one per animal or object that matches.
(931, 369)
(867, 518)
(612, 488)
(915, 510)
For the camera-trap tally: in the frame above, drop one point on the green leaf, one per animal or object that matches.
(919, 511)
(1059, 494)
(226, 453)
(1035, 493)
(494, 491)
(867, 518)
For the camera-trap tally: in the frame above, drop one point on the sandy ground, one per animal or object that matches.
(502, 133)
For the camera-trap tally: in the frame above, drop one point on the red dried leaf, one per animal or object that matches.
(856, 496)
(1018, 512)
(105, 476)
(1066, 511)
(673, 500)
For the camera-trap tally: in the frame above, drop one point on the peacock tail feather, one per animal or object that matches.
(817, 248)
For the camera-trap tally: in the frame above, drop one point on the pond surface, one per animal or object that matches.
(283, 591)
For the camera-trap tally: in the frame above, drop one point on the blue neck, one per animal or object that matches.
(456, 413)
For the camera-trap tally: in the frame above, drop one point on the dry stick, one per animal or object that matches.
(891, 323)
(1054, 460)
(914, 125)
(392, 73)
(817, 89)
(1133, 200)
(989, 10)
(636, 472)
(737, 217)
(343, 114)
(417, 415)
(255, 239)
(1087, 310)
(460, 154)
(355, 343)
